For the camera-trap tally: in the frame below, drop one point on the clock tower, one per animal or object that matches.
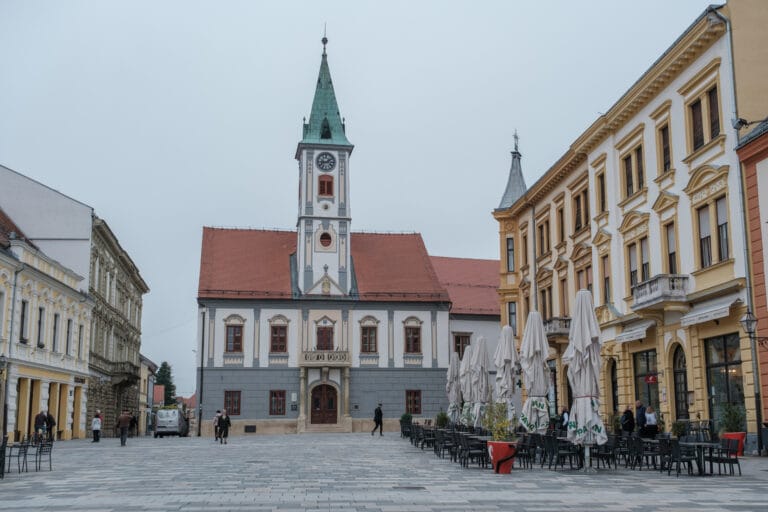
(323, 260)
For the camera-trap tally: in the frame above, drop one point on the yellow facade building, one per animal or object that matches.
(645, 209)
(44, 339)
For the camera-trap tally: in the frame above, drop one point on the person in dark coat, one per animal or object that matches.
(41, 424)
(50, 423)
(224, 424)
(627, 422)
(378, 421)
(124, 423)
(640, 416)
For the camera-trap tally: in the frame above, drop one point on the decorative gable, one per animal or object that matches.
(633, 219)
(706, 181)
(665, 201)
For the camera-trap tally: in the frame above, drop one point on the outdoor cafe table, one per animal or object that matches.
(700, 446)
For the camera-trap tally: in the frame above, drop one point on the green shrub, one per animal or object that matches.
(441, 420)
(733, 418)
(496, 422)
(406, 417)
(679, 428)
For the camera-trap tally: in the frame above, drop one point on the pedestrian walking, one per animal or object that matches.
(134, 425)
(96, 427)
(216, 418)
(41, 420)
(50, 423)
(378, 422)
(124, 423)
(640, 416)
(224, 424)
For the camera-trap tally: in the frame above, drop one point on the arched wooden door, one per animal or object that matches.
(681, 384)
(324, 405)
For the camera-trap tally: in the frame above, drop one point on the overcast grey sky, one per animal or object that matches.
(170, 116)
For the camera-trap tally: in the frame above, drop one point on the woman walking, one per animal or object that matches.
(224, 425)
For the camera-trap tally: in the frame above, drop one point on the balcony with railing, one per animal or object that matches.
(557, 326)
(330, 358)
(663, 291)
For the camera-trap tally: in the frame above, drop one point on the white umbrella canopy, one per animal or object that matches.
(506, 361)
(465, 384)
(453, 388)
(533, 364)
(583, 359)
(480, 389)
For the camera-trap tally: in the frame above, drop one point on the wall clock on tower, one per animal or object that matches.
(325, 161)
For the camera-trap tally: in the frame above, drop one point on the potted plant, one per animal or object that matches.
(405, 424)
(441, 420)
(501, 448)
(732, 424)
(679, 428)
(616, 422)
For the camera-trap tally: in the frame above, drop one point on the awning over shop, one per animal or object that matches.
(634, 331)
(710, 310)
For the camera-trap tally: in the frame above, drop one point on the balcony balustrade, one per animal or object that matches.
(557, 326)
(325, 358)
(660, 292)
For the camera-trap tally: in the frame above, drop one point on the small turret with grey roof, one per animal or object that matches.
(516, 183)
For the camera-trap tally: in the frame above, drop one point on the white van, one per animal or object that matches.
(171, 422)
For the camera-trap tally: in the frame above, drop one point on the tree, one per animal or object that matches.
(165, 377)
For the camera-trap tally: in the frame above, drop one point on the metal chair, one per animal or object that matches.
(44, 450)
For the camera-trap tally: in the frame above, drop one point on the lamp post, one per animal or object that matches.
(749, 323)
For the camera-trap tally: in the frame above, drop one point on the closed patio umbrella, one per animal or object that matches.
(453, 388)
(465, 384)
(533, 364)
(506, 361)
(582, 356)
(480, 390)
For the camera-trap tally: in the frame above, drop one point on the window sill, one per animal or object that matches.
(584, 230)
(719, 140)
(713, 266)
(545, 256)
(413, 359)
(643, 192)
(665, 175)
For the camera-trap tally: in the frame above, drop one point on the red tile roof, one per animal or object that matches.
(246, 262)
(251, 263)
(7, 226)
(471, 284)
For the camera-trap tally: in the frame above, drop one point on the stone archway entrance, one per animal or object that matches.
(324, 405)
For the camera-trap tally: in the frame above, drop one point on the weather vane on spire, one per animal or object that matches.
(325, 39)
(516, 139)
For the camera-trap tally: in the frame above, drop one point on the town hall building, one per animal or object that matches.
(309, 329)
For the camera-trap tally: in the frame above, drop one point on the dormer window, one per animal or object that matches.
(325, 129)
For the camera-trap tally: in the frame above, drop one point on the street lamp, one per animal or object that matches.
(749, 324)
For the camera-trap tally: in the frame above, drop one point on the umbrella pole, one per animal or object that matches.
(587, 461)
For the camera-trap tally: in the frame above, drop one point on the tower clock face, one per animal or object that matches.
(325, 161)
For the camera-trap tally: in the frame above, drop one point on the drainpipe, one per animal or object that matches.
(200, 394)
(745, 234)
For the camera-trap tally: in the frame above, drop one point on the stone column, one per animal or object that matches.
(346, 392)
(22, 413)
(302, 399)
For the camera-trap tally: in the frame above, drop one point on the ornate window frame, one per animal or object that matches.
(705, 188)
(278, 321)
(697, 89)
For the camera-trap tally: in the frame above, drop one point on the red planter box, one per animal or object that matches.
(741, 436)
(502, 451)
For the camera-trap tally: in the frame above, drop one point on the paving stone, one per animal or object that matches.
(346, 472)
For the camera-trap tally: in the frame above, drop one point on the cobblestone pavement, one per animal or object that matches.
(346, 472)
